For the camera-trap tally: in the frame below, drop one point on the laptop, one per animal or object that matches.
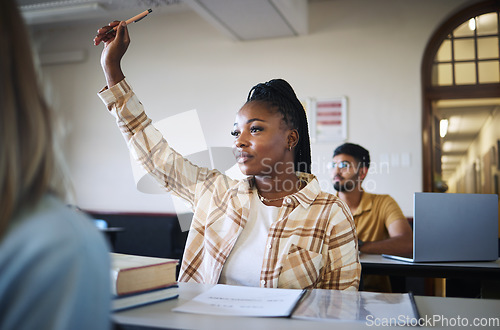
(454, 227)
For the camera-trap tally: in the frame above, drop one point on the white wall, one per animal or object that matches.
(369, 51)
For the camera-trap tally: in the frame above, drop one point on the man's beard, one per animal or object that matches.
(347, 186)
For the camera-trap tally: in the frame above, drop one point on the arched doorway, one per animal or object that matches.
(461, 82)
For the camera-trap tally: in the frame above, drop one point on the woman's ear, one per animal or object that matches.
(293, 138)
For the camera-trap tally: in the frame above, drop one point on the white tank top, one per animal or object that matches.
(244, 264)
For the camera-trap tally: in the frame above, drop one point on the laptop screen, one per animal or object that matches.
(455, 227)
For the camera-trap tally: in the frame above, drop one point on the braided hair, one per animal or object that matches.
(280, 96)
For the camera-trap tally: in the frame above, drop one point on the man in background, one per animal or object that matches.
(380, 223)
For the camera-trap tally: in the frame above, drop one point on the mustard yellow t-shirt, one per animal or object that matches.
(374, 214)
(372, 217)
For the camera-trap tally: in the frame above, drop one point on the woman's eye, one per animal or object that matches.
(255, 129)
(235, 133)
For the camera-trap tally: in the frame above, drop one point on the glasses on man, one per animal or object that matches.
(341, 166)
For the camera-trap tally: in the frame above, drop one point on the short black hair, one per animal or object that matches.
(359, 153)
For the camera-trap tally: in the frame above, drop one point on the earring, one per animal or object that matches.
(289, 148)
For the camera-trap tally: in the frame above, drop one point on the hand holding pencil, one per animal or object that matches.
(106, 32)
(116, 41)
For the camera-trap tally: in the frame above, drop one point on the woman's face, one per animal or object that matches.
(261, 141)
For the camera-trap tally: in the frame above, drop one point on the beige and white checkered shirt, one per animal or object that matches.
(312, 244)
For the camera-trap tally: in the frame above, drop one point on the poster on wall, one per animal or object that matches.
(328, 120)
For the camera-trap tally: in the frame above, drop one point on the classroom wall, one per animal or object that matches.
(368, 51)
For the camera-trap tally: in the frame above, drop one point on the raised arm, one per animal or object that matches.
(145, 142)
(115, 46)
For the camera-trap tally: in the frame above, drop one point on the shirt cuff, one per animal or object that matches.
(109, 96)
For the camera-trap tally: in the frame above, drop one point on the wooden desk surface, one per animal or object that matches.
(160, 315)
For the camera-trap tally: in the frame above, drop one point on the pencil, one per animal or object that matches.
(136, 18)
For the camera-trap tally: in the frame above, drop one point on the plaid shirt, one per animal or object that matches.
(312, 244)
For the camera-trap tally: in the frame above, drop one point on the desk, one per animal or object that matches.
(111, 235)
(484, 275)
(376, 264)
(160, 316)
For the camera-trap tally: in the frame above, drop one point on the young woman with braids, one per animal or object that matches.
(275, 228)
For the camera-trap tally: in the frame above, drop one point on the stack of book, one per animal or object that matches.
(138, 280)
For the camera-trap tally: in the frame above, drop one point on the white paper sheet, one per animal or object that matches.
(243, 301)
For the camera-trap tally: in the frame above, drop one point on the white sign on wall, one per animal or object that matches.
(328, 119)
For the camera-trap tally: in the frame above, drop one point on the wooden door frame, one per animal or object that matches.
(434, 93)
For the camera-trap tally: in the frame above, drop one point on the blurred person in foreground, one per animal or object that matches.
(54, 263)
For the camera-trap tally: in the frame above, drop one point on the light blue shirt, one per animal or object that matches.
(54, 271)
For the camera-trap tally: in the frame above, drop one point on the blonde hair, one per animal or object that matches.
(27, 155)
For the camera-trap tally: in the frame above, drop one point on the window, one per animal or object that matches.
(469, 55)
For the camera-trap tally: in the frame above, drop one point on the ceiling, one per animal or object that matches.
(234, 18)
(466, 118)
